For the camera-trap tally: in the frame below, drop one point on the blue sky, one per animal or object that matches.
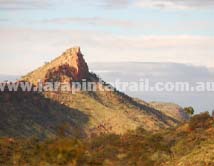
(34, 31)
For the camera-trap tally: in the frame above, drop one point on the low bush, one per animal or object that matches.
(201, 121)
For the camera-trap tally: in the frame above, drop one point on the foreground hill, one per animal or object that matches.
(186, 145)
(81, 114)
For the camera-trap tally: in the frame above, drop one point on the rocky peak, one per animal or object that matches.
(70, 66)
(74, 59)
(73, 50)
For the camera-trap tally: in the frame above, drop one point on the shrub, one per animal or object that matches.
(189, 110)
(201, 121)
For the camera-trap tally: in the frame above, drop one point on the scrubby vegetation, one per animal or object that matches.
(189, 144)
(201, 121)
(189, 110)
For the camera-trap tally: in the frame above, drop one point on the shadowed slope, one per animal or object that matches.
(31, 114)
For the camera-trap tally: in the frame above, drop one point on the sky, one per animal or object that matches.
(161, 72)
(33, 32)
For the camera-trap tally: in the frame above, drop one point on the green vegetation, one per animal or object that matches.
(189, 144)
(201, 121)
(189, 110)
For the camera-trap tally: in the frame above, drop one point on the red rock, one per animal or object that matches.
(70, 66)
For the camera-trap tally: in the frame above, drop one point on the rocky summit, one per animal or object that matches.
(70, 66)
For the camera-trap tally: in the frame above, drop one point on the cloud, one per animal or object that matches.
(165, 72)
(127, 25)
(23, 4)
(25, 49)
(3, 20)
(116, 3)
(41, 4)
(174, 4)
(93, 21)
(157, 71)
(184, 49)
(103, 22)
(106, 4)
(162, 4)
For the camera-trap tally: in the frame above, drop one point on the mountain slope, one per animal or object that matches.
(171, 110)
(83, 113)
(188, 144)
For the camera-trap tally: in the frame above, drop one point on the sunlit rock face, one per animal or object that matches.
(70, 66)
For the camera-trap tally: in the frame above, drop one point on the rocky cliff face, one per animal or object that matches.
(73, 58)
(70, 66)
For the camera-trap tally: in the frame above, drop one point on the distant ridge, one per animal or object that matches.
(4, 77)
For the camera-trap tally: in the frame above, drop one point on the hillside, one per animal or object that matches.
(188, 144)
(171, 110)
(81, 114)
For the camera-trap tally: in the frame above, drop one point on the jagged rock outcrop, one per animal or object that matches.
(74, 59)
(70, 66)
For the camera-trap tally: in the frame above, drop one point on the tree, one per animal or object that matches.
(213, 113)
(202, 120)
(189, 110)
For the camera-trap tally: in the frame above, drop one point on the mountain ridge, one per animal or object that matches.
(105, 111)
